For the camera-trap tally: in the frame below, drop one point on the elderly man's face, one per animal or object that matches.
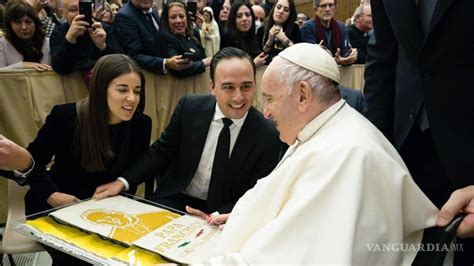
(70, 10)
(326, 10)
(279, 105)
(364, 22)
(259, 13)
(234, 86)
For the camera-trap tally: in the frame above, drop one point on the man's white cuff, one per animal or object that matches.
(125, 183)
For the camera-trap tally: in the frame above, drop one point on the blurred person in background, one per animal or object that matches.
(359, 32)
(25, 44)
(280, 30)
(241, 32)
(301, 18)
(259, 13)
(177, 37)
(325, 30)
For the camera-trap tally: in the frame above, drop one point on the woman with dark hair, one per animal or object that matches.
(25, 44)
(93, 140)
(179, 37)
(241, 32)
(280, 30)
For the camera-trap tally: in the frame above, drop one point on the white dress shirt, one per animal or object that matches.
(199, 185)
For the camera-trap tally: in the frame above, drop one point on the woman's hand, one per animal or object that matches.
(207, 61)
(281, 36)
(58, 199)
(261, 59)
(36, 66)
(273, 32)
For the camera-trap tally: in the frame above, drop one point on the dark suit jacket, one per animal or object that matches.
(55, 138)
(358, 40)
(67, 57)
(177, 45)
(176, 154)
(139, 38)
(404, 70)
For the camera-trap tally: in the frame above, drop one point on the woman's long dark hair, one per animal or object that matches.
(14, 11)
(92, 137)
(164, 19)
(248, 40)
(287, 26)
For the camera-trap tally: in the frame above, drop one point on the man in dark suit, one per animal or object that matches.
(184, 156)
(137, 29)
(418, 89)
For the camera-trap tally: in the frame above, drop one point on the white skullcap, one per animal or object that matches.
(313, 58)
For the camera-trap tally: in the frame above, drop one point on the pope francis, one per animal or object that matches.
(340, 193)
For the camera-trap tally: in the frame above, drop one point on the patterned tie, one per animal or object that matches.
(425, 12)
(220, 168)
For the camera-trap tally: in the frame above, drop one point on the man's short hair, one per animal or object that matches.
(227, 53)
(317, 2)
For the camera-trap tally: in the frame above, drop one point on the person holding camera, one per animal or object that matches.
(178, 37)
(79, 43)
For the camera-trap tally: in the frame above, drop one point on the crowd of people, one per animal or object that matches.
(158, 40)
(273, 178)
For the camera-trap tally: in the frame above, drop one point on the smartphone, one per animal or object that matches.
(85, 8)
(192, 8)
(188, 55)
(98, 5)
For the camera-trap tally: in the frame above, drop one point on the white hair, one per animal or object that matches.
(290, 74)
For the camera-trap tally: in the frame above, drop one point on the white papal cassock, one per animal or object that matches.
(339, 192)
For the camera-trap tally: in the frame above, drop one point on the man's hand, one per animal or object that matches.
(108, 190)
(98, 35)
(460, 200)
(36, 66)
(350, 59)
(58, 199)
(177, 63)
(77, 28)
(13, 156)
(197, 213)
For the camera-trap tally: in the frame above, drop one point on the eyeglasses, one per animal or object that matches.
(324, 6)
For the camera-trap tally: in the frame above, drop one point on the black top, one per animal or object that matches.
(177, 45)
(358, 40)
(67, 57)
(277, 46)
(230, 40)
(128, 139)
